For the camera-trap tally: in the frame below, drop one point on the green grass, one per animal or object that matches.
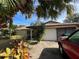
(33, 42)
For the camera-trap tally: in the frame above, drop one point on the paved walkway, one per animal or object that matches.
(45, 50)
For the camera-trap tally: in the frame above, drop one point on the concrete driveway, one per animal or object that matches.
(45, 50)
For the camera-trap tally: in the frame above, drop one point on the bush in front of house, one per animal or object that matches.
(37, 32)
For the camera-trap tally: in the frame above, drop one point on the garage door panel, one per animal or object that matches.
(50, 34)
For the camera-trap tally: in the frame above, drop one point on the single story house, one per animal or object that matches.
(54, 29)
(21, 32)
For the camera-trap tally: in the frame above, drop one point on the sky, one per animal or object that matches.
(20, 19)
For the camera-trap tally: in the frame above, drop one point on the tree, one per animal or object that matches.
(46, 8)
(13, 6)
(73, 18)
(8, 8)
(37, 31)
(52, 8)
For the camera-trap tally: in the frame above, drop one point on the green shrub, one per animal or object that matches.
(37, 32)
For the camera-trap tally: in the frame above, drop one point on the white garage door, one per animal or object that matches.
(50, 34)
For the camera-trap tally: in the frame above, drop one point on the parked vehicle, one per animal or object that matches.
(64, 35)
(70, 45)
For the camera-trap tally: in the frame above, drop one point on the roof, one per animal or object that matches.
(34, 27)
(54, 24)
(62, 25)
(21, 28)
(51, 22)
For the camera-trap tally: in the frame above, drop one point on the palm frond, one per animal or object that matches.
(52, 8)
(70, 10)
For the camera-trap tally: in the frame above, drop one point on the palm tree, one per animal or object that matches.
(52, 8)
(46, 8)
(73, 18)
(8, 8)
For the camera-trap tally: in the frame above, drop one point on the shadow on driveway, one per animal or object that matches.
(50, 53)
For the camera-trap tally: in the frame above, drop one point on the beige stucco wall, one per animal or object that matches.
(22, 33)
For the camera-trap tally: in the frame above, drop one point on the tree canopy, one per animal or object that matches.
(73, 18)
(52, 8)
(46, 8)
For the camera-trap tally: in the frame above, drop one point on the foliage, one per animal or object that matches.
(8, 8)
(4, 32)
(46, 8)
(37, 32)
(12, 6)
(52, 8)
(73, 18)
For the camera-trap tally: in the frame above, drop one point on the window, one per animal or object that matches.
(75, 37)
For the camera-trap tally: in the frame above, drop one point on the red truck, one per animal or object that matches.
(70, 45)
